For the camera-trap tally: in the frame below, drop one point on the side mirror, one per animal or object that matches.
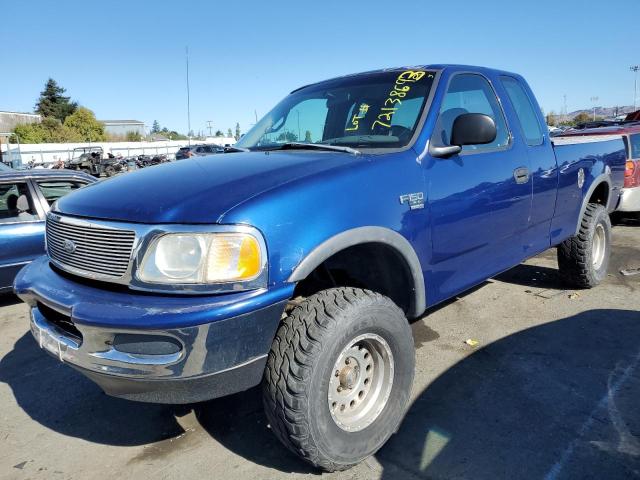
(468, 129)
(473, 129)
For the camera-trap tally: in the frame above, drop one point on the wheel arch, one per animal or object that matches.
(363, 236)
(599, 184)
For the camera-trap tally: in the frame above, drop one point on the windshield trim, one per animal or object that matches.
(421, 120)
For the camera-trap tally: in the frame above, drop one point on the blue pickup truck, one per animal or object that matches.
(298, 257)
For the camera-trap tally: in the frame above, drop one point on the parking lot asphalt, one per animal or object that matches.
(551, 390)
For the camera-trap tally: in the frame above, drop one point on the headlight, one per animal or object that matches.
(202, 258)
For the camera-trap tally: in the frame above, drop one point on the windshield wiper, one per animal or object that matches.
(235, 149)
(317, 146)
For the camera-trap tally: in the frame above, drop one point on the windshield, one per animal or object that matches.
(373, 110)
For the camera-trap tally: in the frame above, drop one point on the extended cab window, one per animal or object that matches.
(469, 93)
(524, 110)
(53, 190)
(372, 110)
(15, 203)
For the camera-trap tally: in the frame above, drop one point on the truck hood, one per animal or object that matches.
(197, 190)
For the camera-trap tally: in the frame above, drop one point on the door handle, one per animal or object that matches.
(521, 175)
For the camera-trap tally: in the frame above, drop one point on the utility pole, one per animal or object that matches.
(564, 108)
(188, 99)
(209, 127)
(634, 69)
(594, 100)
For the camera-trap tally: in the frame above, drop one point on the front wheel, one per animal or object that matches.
(584, 258)
(338, 376)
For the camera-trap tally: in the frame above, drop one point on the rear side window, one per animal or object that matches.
(524, 110)
(634, 146)
(53, 190)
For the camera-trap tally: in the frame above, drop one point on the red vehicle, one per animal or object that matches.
(630, 131)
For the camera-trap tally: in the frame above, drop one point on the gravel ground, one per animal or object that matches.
(550, 391)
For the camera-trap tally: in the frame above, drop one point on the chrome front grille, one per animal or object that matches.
(88, 249)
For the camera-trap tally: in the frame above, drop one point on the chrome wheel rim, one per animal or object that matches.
(360, 382)
(599, 247)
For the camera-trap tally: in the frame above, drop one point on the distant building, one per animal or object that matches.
(122, 127)
(9, 120)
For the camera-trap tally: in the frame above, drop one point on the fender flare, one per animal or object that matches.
(362, 235)
(599, 180)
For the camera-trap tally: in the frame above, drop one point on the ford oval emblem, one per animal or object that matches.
(69, 246)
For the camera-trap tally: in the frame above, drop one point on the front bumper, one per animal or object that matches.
(150, 347)
(629, 200)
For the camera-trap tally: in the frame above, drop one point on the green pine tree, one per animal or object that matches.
(52, 102)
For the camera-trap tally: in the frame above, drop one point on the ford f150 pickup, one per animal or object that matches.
(297, 257)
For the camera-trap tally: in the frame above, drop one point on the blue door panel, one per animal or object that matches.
(19, 243)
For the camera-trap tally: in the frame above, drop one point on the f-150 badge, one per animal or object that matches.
(414, 200)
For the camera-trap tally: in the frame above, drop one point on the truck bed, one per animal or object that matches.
(596, 156)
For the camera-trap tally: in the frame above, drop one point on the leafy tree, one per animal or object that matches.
(28, 133)
(551, 118)
(52, 102)
(219, 133)
(307, 137)
(133, 136)
(50, 130)
(172, 134)
(237, 137)
(229, 133)
(84, 122)
(156, 127)
(581, 118)
(287, 137)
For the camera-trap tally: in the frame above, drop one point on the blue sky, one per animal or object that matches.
(126, 59)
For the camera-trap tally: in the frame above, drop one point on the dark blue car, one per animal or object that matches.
(25, 199)
(297, 257)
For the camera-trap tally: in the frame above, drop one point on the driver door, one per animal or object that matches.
(479, 211)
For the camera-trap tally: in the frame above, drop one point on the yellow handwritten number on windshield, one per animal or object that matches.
(394, 100)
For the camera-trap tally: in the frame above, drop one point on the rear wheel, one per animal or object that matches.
(110, 171)
(339, 376)
(584, 258)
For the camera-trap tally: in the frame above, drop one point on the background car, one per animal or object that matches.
(25, 199)
(198, 151)
(630, 131)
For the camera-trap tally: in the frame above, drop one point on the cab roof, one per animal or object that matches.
(437, 67)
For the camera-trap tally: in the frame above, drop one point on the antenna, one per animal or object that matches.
(634, 69)
(188, 99)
